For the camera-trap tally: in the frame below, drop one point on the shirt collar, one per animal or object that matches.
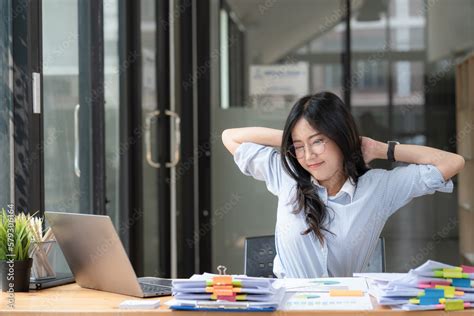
(348, 187)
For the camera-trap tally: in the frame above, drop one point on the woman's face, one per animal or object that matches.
(316, 153)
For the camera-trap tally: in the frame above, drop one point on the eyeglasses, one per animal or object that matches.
(317, 147)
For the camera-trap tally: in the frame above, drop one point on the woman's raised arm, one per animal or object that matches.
(449, 164)
(233, 137)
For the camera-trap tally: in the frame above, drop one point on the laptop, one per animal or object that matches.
(96, 256)
(61, 278)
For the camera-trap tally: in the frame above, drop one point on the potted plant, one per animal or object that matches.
(15, 240)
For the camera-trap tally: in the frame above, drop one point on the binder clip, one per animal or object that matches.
(223, 288)
(222, 270)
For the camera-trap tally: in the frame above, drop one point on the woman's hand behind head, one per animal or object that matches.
(371, 149)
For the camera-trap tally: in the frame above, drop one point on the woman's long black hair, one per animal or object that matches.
(327, 114)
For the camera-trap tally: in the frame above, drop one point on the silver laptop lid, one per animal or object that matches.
(94, 252)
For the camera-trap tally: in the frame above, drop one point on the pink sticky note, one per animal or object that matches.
(467, 269)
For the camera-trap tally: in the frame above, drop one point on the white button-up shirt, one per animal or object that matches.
(358, 213)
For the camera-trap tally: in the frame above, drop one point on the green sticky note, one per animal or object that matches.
(237, 283)
(454, 305)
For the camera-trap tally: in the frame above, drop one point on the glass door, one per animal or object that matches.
(160, 130)
(63, 154)
(149, 116)
(138, 126)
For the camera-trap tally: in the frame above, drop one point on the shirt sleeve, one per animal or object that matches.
(402, 184)
(262, 163)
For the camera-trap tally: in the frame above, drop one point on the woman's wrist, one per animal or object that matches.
(381, 150)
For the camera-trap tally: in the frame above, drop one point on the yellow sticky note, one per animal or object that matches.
(452, 274)
(454, 305)
(346, 293)
(448, 290)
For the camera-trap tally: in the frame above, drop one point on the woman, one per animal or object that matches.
(331, 206)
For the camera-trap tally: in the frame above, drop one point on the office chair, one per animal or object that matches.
(260, 252)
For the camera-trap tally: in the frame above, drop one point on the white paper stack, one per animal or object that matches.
(396, 289)
(251, 294)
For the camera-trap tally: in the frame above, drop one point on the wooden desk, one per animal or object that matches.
(73, 300)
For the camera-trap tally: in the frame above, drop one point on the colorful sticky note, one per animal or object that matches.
(454, 305)
(346, 293)
(452, 274)
(222, 280)
(438, 274)
(461, 283)
(424, 300)
(448, 290)
(438, 293)
(455, 269)
(440, 282)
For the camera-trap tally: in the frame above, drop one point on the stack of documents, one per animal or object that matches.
(431, 286)
(225, 292)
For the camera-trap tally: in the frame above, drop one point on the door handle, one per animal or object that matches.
(149, 157)
(176, 132)
(77, 170)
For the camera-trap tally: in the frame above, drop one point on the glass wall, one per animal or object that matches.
(61, 108)
(278, 51)
(64, 148)
(413, 101)
(403, 54)
(267, 65)
(5, 103)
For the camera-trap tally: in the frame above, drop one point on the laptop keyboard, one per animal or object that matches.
(155, 285)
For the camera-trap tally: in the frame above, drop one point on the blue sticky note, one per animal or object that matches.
(461, 283)
(435, 293)
(424, 300)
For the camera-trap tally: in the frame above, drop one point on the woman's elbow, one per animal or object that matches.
(458, 162)
(225, 137)
(228, 141)
(452, 166)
